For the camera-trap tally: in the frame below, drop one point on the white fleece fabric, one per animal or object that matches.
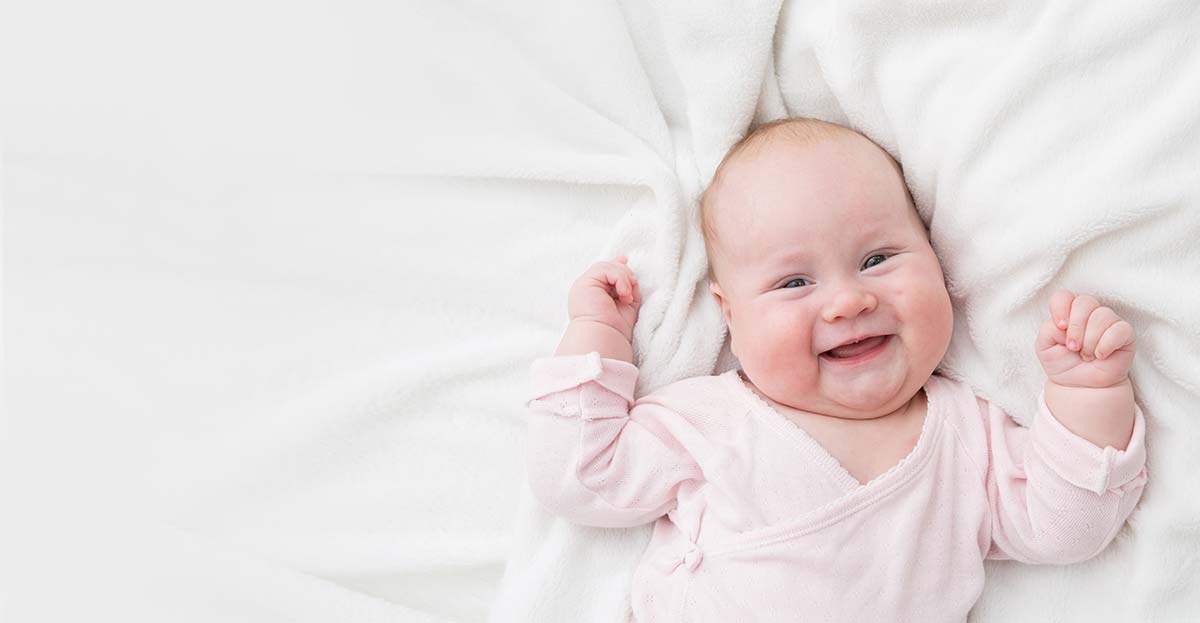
(274, 274)
(1046, 147)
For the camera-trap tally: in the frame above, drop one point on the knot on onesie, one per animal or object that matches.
(670, 560)
(692, 558)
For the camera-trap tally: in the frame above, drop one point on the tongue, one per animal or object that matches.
(852, 350)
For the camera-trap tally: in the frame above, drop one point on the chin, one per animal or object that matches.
(867, 397)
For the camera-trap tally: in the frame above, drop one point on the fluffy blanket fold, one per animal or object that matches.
(275, 273)
(1047, 146)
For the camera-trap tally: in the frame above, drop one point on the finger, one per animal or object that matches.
(1060, 307)
(606, 275)
(637, 293)
(606, 272)
(1081, 308)
(629, 287)
(1048, 336)
(629, 294)
(630, 275)
(619, 263)
(622, 286)
(1119, 335)
(617, 278)
(1097, 324)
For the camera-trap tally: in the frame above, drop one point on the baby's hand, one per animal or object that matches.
(607, 293)
(1083, 344)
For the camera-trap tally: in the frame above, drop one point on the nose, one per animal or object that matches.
(849, 302)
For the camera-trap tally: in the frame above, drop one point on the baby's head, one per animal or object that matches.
(813, 240)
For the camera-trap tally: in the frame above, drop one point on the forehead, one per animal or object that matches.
(814, 196)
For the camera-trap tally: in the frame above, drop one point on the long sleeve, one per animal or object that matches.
(594, 455)
(1056, 498)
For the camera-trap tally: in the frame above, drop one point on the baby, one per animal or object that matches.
(835, 476)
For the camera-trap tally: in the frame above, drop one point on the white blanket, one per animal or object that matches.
(274, 273)
(1047, 146)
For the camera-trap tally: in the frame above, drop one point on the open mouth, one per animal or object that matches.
(856, 352)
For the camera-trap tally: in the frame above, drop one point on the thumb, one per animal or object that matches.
(1049, 336)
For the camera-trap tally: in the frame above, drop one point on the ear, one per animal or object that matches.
(722, 300)
(726, 311)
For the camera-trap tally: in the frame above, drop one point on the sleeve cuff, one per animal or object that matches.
(1083, 463)
(559, 373)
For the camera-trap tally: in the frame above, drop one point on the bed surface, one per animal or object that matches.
(274, 274)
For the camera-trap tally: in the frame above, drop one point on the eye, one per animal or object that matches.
(797, 281)
(868, 263)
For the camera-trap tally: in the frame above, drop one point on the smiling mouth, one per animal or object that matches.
(857, 351)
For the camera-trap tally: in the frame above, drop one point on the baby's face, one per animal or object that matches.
(818, 245)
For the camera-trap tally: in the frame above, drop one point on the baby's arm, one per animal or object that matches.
(1055, 497)
(1060, 490)
(591, 458)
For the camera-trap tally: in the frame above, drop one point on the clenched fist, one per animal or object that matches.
(1084, 344)
(607, 292)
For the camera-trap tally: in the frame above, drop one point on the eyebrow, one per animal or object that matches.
(788, 259)
(785, 261)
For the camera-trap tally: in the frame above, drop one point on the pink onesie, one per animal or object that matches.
(756, 521)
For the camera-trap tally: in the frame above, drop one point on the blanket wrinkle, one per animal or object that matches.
(1035, 169)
